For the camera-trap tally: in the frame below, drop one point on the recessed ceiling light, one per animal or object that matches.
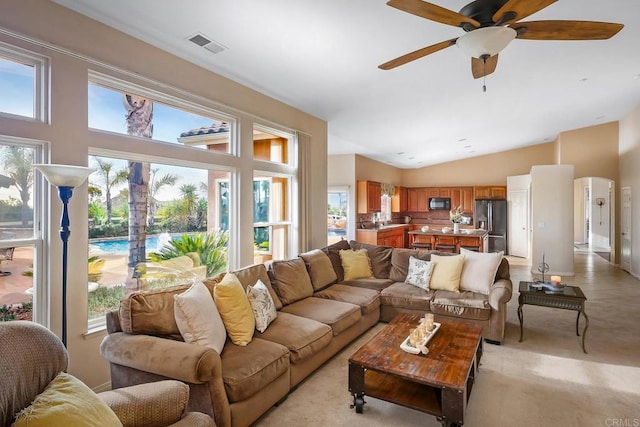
(462, 139)
(402, 152)
(584, 79)
(467, 146)
(411, 158)
(600, 117)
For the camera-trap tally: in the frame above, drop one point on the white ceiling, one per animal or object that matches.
(322, 57)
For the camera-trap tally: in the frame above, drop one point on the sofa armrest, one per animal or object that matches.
(159, 403)
(195, 419)
(500, 293)
(172, 359)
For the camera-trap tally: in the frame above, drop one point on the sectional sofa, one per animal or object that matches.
(318, 313)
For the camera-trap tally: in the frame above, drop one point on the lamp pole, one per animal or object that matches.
(66, 178)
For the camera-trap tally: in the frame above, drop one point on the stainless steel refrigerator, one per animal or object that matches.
(491, 215)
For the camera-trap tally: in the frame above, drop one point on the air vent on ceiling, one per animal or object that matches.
(207, 43)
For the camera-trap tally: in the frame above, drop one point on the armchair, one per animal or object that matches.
(31, 357)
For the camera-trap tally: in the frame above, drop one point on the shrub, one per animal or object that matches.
(212, 248)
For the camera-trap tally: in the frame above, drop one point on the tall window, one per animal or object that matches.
(337, 213)
(181, 222)
(23, 84)
(21, 266)
(270, 145)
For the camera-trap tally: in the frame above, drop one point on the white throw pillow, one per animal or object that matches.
(198, 318)
(419, 273)
(479, 270)
(264, 310)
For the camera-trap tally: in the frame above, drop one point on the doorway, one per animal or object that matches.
(625, 230)
(594, 216)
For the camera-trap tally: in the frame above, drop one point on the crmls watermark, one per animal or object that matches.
(622, 422)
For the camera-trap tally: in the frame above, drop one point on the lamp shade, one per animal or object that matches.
(486, 41)
(64, 175)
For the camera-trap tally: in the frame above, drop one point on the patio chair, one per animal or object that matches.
(6, 254)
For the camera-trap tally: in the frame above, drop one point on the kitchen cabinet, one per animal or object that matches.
(394, 236)
(490, 192)
(399, 201)
(456, 197)
(417, 199)
(466, 199)
(369, 195)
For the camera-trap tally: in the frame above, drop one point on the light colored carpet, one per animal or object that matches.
(544, 381)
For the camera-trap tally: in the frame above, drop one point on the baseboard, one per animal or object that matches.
(103, 387)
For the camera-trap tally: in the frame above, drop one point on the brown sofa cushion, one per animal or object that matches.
(320, 269)
(380, 257)
(303, 337)
(367, 299)
(466, 305)
(338, 315)
(248, 276)
(368, 283)
(247, 370)
(503, 270)
(150, 312)
(404, 295)
(400, 262)
(290, 280)
(333, 251)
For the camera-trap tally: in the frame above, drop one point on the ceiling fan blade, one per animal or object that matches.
(432, 12)
(566, 30)
(520, 9)
(417, 54)
(480, 69)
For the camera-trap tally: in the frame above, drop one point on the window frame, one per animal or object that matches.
(41, 90)
(40, 195)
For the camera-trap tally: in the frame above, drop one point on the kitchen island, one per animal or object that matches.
(477, 240)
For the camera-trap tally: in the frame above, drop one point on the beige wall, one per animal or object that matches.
(592, 150)
(629, 176)
(491, 169)
(372, 170)
(70, 140)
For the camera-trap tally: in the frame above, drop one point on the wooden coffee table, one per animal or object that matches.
(438, 383)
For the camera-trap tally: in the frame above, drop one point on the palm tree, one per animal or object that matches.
(18, 163)
(139, 123)
(189, 202)
(154, 188)
(110, 179)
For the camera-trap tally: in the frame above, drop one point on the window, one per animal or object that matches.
(21, 266)
(111, 103)
(178, 222)
(23, 83)
(270, 145)
(385, 208)
(337, 212)
(271, 217)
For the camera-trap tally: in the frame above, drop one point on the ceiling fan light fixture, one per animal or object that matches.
(486, 41)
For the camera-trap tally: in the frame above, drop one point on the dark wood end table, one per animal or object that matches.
(571, 298)
(438, 383)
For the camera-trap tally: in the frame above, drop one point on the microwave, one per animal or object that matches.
(439, 203)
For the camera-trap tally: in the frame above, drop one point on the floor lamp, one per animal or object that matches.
(66, 178)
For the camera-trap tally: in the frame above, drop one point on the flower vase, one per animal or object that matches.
(456, 227)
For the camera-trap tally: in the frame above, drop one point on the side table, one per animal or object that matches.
(571, 298)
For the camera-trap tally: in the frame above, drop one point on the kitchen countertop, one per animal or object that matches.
(385, 227)
(463, 232)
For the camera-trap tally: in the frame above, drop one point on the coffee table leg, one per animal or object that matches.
(356, 386)
(521, 319)
(584, 331)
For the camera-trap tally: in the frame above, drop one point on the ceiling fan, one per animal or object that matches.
(490, 25)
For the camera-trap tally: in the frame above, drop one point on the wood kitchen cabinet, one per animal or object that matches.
(417, 199)
(490, 192)
(399, 201)
(386, 237)
(369, 197)
(466, 199)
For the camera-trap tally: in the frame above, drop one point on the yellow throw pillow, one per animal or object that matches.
(446, 273)
(67, 402)
(356, 264)
(235, 310)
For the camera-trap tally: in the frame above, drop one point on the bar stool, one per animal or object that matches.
(445, 244)
(419, 245)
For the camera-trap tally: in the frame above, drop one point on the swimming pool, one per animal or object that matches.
(121, 246)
